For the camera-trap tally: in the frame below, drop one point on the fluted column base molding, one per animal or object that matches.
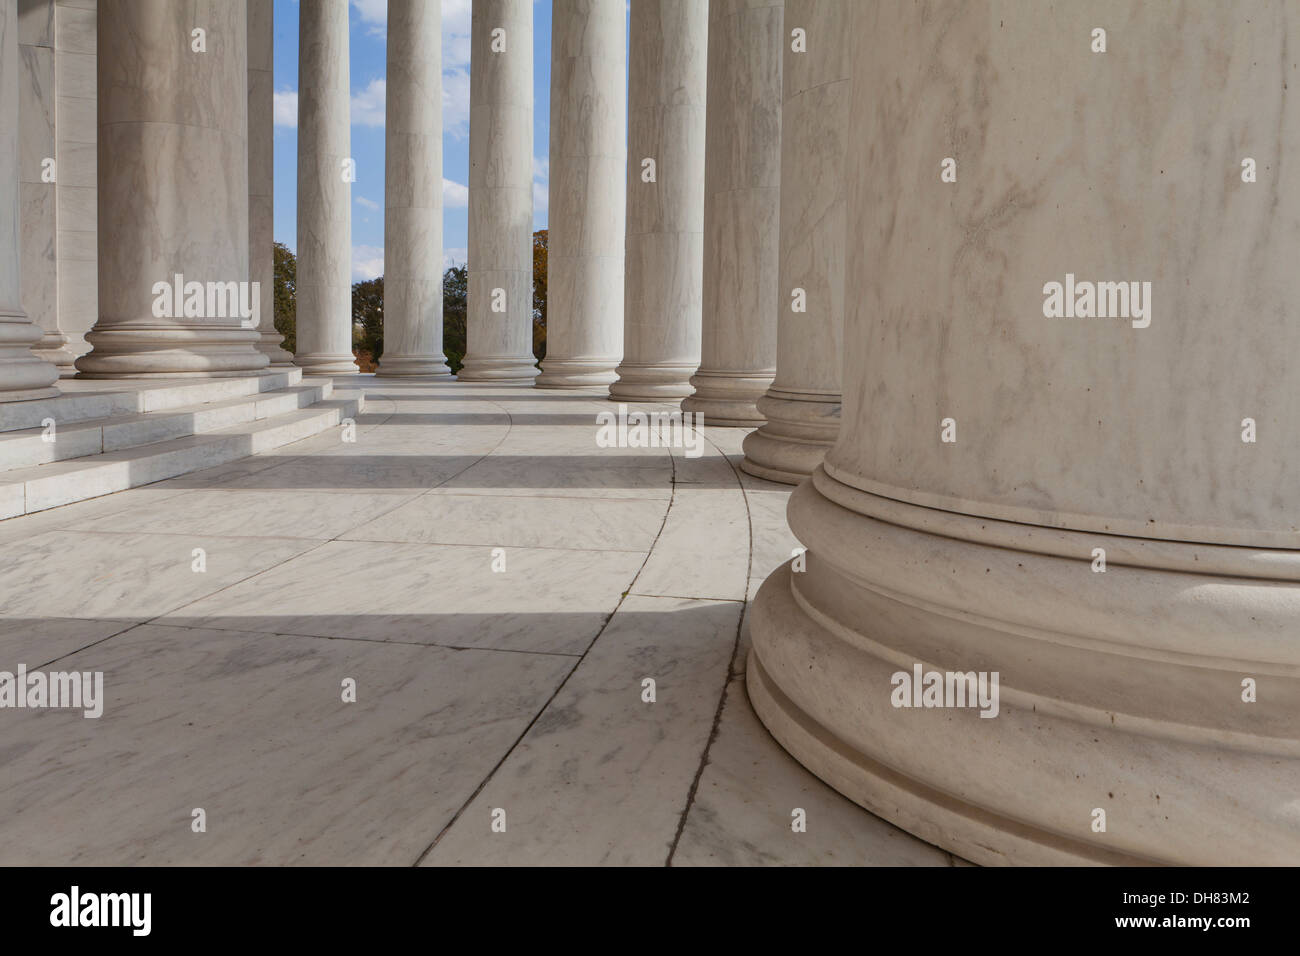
(576, 373)
(53, 347)
(800, 429)
(1119, 690)
(170, 352)
(651, 383)
(502, 370)
(328, 363)
(729, 398)
(23, 376)
(426, 366)
(268, 344)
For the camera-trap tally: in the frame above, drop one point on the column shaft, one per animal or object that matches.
(667, 82)
(325, 174)
(413, 191)
(499, 333)
(22, 374)
(1066, 473)
(261, 174)
(584, 313)
(742, 179)
(173, 192)
(37, 177)
(802, 407)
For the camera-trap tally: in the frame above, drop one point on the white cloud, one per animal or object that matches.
(541, 184)
(373, 14)
(367, 262)
(369, 111)
(367, 203)
(286, 108)
(454, 195)
(454, 257)
(368, 105)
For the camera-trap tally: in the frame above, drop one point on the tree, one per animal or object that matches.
(285, 293)
(540, 238)
(455, 299)
(368, 322)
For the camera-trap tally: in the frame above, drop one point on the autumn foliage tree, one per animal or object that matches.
(539, 293)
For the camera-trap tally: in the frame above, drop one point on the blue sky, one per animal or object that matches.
(367, 24)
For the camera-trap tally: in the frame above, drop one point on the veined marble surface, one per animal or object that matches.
(476, 688)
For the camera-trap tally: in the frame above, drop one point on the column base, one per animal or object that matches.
(576, 373)
(23, 376)
(728, 398)
(195, 352)
(1119, 691)
(427, 366)
(800, 429)
(53, 347)
(270, 344)
(651, 383)
(499, 370)
(328, 363)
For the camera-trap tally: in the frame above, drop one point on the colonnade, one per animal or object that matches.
(839, 223)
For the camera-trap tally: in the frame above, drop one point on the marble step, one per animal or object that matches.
(83, 399)
(29, 447)
(27, 490)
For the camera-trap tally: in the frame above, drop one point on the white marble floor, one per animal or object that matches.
(497, 586)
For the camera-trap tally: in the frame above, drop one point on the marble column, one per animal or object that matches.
(173, 191)
(742, 184)
(37, 179)
(584, 311)
(413, 191)
(802, 406)
(499, 346)
(76, 148)
(261, 174)
(325, 174)
(664, 261)
(22, 374)
(1102, 511)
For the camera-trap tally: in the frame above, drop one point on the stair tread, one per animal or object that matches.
(137, 452)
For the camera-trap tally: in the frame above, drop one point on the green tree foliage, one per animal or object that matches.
(455, 298)
(368, 322)
(539, 293)
(286, 290)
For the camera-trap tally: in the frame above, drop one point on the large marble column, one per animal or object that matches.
(261, 174)
(742, 181)
(499, 333)
(22, 374)
(802, 406)
(1102, 511)
(37, 178)
(584, 283)
(413, 191)
(173, 191)
(664, 261)
(325, 175)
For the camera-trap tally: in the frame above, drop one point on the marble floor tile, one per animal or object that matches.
(603, 776)
(252, 513)
(604, 524)
(132, 577)
(546, 601)
(255, 732)
(741, 815)
(703, 551)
